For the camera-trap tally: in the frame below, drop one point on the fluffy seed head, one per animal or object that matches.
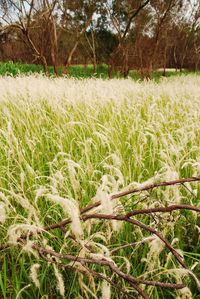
(60, 282)
(2, 213)
(106, 292)
(34, 274)
(71, 208)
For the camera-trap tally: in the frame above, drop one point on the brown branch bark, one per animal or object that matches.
(124, 193)
(141, 225)
(163, 210)
(134, 14)
(134, 282)
(87, 271)
(107, 263)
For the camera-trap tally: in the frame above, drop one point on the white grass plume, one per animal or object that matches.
(16, 230)
(72, 166)
(106, 291)
(34, 274)
(156, 246)
(28, 248)
(70, 207)
(185, 293)
(3, 215)
(60, 281)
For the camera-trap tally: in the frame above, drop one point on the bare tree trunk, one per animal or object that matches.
(175, 59)
(112, 59)
(141, 67)
(165, 62)
(164, 71)
(125, 64)
(94, 54)
(196, 64)
(110, 69)
(45, 65)
(94, 65)
(70, 56)
(184, 55)
(37, 53)
(93, 51)
(54, 46)
(54, 62)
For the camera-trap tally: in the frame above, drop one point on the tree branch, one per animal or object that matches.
(135, 13)
(124, 193)
(107, 263)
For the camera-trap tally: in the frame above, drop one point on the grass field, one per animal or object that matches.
(65, 143)
(78, 71)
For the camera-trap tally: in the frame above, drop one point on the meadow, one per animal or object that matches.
(66, 143)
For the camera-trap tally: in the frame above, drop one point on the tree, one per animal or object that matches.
(163, 16)
(122, 14)
(30, 18)
(76, 18)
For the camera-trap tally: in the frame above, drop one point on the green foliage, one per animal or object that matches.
(76, 71)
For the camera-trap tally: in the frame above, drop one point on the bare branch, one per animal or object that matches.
(163, 210)
(107, 263)
(125, 193)
(135, 13)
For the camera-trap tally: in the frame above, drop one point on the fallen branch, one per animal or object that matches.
(152, 230)
(163, 210)
(103, 262)
(87, 270)
(88, 208)
(107, 263)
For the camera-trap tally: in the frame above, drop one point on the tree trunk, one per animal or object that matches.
(94, 54)
(165, 62)
(196, 65)
(70, 56)
(45, 65)
(110, 70)
(54, 46)
(55, 67)
(69, 59)
(175, 59)
(94, 65)
(125, 65)
(164, 71)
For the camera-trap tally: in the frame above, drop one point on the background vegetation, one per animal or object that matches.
(80, 71)
(141, 35)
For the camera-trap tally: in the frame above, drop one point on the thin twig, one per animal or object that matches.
(148, 239)
(190, 191)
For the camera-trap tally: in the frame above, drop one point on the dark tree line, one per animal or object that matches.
(124, 34)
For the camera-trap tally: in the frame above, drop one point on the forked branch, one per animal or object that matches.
(89, 261)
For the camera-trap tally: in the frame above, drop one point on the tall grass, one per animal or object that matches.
(76, 140)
